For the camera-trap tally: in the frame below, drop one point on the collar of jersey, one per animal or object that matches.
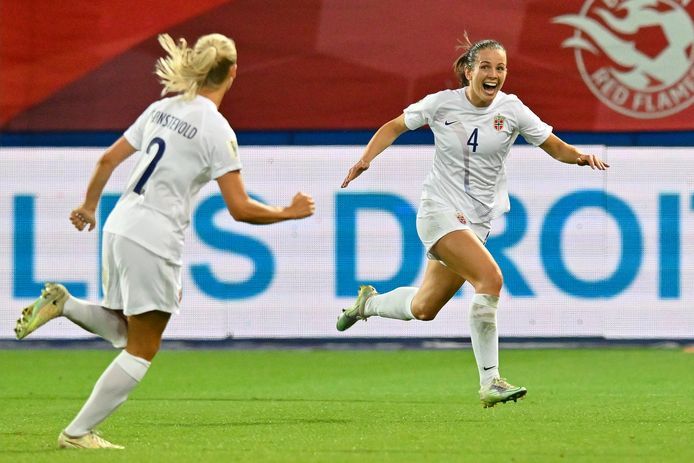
(463, 95)
(206, 101)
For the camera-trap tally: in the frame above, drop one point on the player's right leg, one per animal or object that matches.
(354, 313)
(405, 303)
(149, 287)
(439, 285)
(118, 380)
(90, 440)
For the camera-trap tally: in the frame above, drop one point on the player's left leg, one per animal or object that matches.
(464, 253)
(46, 307)
(500, 391)
(56, 301)
(119, 379)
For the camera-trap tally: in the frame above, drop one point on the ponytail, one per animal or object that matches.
(186, 70)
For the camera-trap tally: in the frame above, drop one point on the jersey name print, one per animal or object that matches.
(174, 123)
(468, 169)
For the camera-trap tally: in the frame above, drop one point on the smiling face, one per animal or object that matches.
(486, 76)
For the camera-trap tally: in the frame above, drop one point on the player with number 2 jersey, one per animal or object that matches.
(184, 142)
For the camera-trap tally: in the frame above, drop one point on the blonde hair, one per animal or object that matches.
(187, 70)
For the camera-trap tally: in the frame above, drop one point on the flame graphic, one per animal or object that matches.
(666, 68)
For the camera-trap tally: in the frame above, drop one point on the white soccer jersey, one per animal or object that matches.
(184, 145)
(472, 145)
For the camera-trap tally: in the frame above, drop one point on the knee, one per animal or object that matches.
(498, 280)
(492, 283)
(144, 349)
(423, 312)
(121, 341)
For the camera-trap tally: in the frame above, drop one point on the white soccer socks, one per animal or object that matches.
(98, 320)
(393, 304)
(484, 336)
(111, 390)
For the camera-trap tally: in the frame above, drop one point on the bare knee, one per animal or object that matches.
(491, 283)
(145, 332)
(423, 312)
(144, 348)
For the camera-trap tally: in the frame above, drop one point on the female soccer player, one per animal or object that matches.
(185, 143)
(474, 128)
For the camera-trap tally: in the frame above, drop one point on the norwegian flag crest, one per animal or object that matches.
(499, 122)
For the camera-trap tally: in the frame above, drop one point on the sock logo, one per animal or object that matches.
(488, 368)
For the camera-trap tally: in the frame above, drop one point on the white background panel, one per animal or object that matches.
(301, 299)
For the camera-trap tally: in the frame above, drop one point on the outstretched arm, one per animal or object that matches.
(569, 154)
(382, 139)
(246, 209)
(84, 215)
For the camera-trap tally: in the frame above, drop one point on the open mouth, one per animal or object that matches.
(489, 87)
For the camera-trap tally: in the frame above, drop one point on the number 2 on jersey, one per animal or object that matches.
(161, 146)
(472, 141)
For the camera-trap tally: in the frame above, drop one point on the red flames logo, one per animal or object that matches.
(636, 56)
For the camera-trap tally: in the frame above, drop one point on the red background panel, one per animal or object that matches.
(46, 44)
(304, 64)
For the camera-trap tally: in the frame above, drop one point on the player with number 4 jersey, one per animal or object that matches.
(184, 143)
(474, 128)
(472, 144)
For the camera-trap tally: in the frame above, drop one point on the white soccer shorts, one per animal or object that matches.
(435, 220)
(135, 280)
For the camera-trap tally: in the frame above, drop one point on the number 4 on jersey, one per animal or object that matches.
(472, 141)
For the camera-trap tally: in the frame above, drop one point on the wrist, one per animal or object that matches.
(88, 207)
(286, 213)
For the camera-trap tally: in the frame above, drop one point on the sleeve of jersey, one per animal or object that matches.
(224, 154)
(419, 113)
(531, 126)
(135, 132)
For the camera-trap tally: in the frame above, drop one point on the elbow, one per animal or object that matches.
(239, 215)
(238, 209)
(243, 215)
(106, 163)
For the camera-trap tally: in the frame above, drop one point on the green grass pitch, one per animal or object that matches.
(585, 405)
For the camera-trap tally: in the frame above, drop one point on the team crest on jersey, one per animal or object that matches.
(499, 122)
(461, 218)
(635, 56)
